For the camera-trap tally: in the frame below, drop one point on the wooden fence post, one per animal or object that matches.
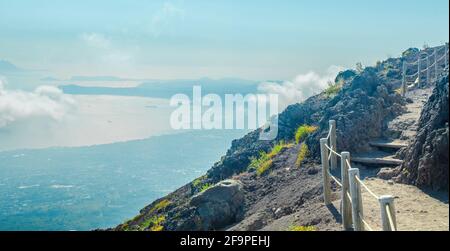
(446, 55)
(325, 176)
(333, 160)
(419, 69)
(346, 204)
(404, 79)
(387, 200)
(428, 70)
(355, 192)
(436, 64)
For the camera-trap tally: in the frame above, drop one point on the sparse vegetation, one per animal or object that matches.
(197, 182)
(332, 90)
(200, 184)
(302, 154)
(154, 223)
(302, 228)
(206, 186)
(303, 132)
(276, 149)
(160, 205)
(264, 167)
(359, 68)
(264, 162)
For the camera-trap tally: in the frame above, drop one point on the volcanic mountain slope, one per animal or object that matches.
(284, 190)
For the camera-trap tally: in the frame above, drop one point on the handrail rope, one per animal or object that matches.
(391, 221)
(432, 54)
(411, 79)
(432, 65)
(335, 179)
(366, 225)
(416, 61)
(411, 63)
(365, 187)
(333, 151)
(349, 197)
(443, 57)
(412, 75)
(348, 163)
(329, 134)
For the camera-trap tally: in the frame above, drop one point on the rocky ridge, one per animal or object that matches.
(289, 195)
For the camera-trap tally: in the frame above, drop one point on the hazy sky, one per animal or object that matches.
(254, 39)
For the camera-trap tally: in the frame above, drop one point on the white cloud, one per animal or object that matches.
(46, 102)
(105, 51)
(301, 87)
(96, 40)
(162, 18)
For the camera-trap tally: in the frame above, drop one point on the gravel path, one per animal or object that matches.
(416, 209)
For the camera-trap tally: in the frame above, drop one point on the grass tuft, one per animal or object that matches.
(302, 228)
(160, 205)
(302, 154)
(264, 167)
(205, 187)
(155, 223)
(303, 132)
(265, 160)
(333, 89)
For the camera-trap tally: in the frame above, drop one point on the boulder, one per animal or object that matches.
(387, 173)
(219, 206)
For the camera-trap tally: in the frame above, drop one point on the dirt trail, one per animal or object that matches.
(415, 209)
(404, 127)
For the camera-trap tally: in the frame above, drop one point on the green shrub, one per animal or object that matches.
(302, 228)
(206, 186)
(332, 90)
(264, 162)
(160, 205)
(302, 154)
(155, 223)
(197, 182)
(276, 149)
(264, 167)
(303, 132)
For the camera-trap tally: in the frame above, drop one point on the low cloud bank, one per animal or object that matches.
(45, 102)
(301, 87)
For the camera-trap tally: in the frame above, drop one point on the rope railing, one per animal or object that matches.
(329, 133)
(333, 151)
(432, 63)
(351, 184)
(349, 197)
(366, 225)
(335, 179)
(367, 188)
(390, 218)
(412, 75)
